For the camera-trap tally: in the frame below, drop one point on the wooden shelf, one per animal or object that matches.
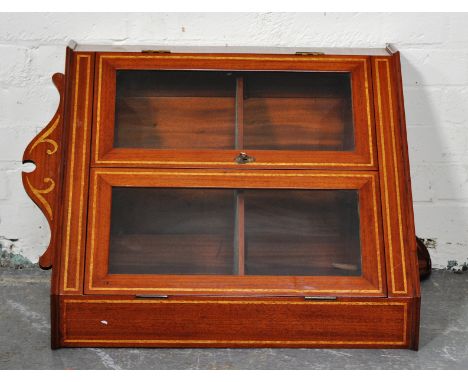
(171, 254)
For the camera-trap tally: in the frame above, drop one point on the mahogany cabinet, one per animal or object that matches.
(228, 199)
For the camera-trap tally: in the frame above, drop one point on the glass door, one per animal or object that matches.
(230, 232)
(276, 112)
(196, 231)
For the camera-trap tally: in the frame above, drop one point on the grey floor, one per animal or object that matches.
(24, 341)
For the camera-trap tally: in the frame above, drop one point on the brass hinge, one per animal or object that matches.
(310, 53)
(156, 51)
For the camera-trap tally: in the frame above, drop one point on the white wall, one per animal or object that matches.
(434, 50)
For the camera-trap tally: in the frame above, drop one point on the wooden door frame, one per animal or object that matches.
(97, 281)
(364, 157)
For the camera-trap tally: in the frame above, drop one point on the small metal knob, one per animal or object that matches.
(243, 158)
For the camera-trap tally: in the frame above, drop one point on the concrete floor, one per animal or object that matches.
(24, 344)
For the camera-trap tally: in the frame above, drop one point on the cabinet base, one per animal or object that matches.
(120, 321)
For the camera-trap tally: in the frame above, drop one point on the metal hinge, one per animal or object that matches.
(155, 51)
(307, 298)
(321, 298)
(309, 53)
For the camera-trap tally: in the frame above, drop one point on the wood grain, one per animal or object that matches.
(401, 262)
(76, 170)
(236, 322)
(305, 124)
(407, 192)
(175, 123)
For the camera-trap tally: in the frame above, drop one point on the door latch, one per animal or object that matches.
(243, 158)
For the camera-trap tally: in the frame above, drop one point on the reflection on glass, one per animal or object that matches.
(174, 109)
(234, 232)
(182, 109)
(298, 111)
(302, 233)
(171, 231)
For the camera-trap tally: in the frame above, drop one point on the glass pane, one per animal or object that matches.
(169, 109)
(226, 231)
(302, 233)
(171, 231)
(298, 111)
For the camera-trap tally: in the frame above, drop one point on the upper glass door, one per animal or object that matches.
(275, 111)
(219, 110)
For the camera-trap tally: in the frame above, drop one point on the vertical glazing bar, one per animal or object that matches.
(240, 113)
(239, 245)
(239, 235)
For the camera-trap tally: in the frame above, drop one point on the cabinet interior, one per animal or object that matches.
(256, 110)
(234, 232)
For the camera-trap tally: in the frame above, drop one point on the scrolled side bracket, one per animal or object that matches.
(43, 184)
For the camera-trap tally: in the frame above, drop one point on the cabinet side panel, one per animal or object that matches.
(393, 180)
(57, 257)
(410, 225)
(76, 174)
(56, 274)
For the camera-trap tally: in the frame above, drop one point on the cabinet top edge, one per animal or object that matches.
(230, 49)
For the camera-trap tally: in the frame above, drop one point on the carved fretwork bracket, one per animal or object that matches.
(43, 184)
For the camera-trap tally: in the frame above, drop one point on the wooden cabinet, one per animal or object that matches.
(228, 200)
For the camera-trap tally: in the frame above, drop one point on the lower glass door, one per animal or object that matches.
(227, 232)
(212, 232)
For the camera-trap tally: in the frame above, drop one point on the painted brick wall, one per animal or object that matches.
(434, 50)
